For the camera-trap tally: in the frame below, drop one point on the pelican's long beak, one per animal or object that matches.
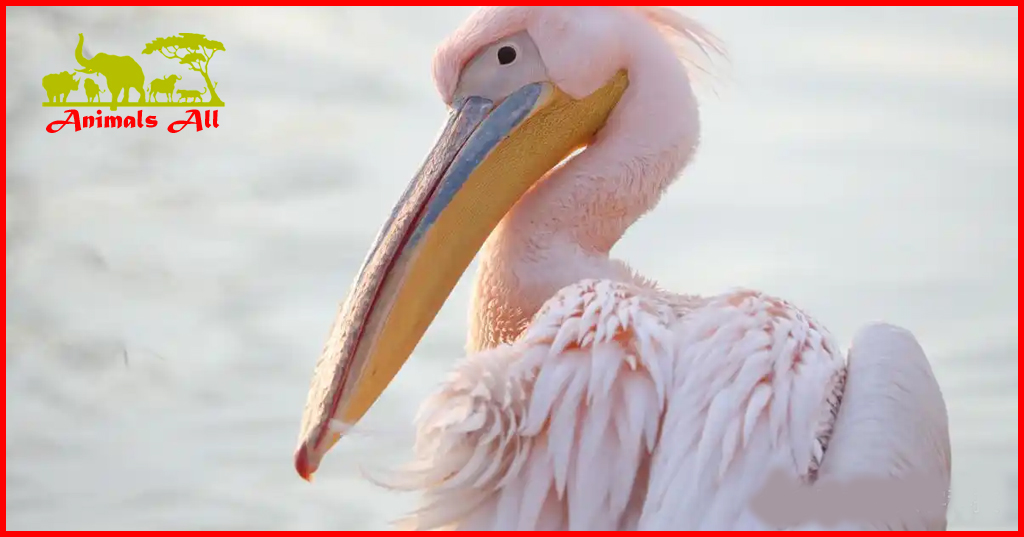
(487, 157)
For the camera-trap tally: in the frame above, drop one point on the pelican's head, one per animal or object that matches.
(527, 86)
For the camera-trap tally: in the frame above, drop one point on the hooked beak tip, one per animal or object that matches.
(303, 465)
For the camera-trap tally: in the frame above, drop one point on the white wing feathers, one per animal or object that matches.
(624, 408)
(758, 381)
(891, 448)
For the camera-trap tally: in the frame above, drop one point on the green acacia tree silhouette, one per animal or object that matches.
(198, 50)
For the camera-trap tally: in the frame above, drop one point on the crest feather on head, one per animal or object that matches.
(680, 29)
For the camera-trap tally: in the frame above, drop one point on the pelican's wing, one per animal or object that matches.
(889, 456)
(754, 395)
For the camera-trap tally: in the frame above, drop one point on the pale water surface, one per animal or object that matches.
(167, 295)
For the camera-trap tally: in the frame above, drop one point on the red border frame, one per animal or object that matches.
(128, 3)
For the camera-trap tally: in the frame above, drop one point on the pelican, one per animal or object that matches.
(592, 399)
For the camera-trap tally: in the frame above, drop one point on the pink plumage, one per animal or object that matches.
(592, 399)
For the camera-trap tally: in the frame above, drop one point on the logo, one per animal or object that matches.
(126, 87)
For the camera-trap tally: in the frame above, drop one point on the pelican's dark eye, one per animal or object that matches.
(506, 55)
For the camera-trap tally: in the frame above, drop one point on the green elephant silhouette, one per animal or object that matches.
(121, 72)
(58, 85)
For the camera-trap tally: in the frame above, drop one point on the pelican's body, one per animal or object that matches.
(591, 398)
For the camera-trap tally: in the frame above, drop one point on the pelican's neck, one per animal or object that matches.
(563, 229)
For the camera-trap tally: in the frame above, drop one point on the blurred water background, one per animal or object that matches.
(167, 295)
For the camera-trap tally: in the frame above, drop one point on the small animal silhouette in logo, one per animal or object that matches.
(191, 95)
(59, 85)
(124, 74)
(92, 90)
(163, 86)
